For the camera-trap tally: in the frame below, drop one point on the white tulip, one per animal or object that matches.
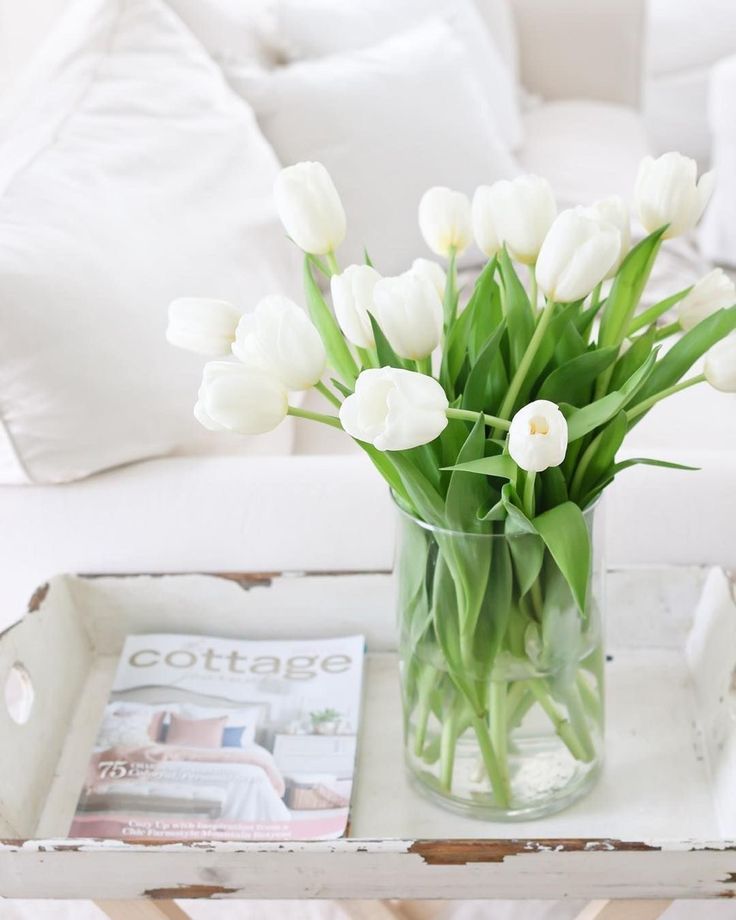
(279, 338)
(352, 298)
(538, 436)
(433, 272)
(409, 312)
(712, 293)
(241, 399)
(202, 325)
(720, 365)
(516, 213)
(667, 191)
(310, 208)
(444, 219)
(613, 210)
(394, 409)
(576, 255)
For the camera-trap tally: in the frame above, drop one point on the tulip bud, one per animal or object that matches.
(667, 191)
(444, 219)
(395, 409)
(516, 213)
(409, 312)
(309, 207)
(614, 211)
(241, 399)
(538, 436)
(720, 365)
(352, 298)
(433, 272)
(576, 255)
(712, 293)
(279, 338)
(204, 326)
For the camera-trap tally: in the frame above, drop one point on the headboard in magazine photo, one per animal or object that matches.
(209, 738)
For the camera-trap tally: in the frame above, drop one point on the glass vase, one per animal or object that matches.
(501, 672)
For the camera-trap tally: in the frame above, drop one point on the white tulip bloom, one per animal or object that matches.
(279, 338)
(309, 207)
(538, 436)
(668, 191)
(444, 219)
(241, 399)
(576, 255)
(613, 210)
(433, 272)
(516, 213)
(713, 292)
(720, 365)
(394, 409)
(352, 298)
(202, 325)
(409, 312)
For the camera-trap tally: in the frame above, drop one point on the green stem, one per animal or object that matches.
(499, 784)
(666, 331)
(498, 718)
(521, 706)
(366, 358)
(332, 265)
(470, 416)
(528, 497)
(315, 417)
(583, 464)
(578, 721)
(526, 362)
(450, 301)
(590, 698)
(595, 298)
(425, 685)
(562, 726)
(647, 404)
(424, 366)
(533, 290)
(322, 388)
(448, 744)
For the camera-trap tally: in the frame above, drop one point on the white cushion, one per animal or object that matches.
(388, 122)
(315, 28)
(718, 229)
(587, 150)
(676, 113)
(130, 176)
(683, 34)
(232, 30)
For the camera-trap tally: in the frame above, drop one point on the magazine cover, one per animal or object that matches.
(210, 738)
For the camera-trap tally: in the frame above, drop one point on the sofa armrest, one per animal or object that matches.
(578, 49)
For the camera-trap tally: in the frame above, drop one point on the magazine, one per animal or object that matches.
(220, 739)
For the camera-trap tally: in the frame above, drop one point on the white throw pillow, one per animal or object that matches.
(131, 175)
(388, 122)
(315, 28)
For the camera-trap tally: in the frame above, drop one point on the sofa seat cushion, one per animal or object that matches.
(587, 150)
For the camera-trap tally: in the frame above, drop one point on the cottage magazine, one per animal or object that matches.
(212, 739)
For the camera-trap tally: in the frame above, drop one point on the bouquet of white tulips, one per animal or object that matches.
(496, 426)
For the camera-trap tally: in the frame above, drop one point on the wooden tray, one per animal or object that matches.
(660, 824)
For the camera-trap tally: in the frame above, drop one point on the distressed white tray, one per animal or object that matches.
(660, 824)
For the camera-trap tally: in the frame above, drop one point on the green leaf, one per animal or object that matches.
(338, 352)
(684, 353)
(496, 610)
(627, 289)
(572, 382)
(566, 536)
(367, 258)
(519, 314)
(603, 451)
(425, 499)
(554, 487)
(466, 492)
(466, 324)
(501, 465)
(527, 551)
(477, 385)
(582, 421)
(387, 357)
(632, 359)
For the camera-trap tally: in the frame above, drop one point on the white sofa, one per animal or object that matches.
(322, 507)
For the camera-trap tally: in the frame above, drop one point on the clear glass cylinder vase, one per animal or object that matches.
(501, 671)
